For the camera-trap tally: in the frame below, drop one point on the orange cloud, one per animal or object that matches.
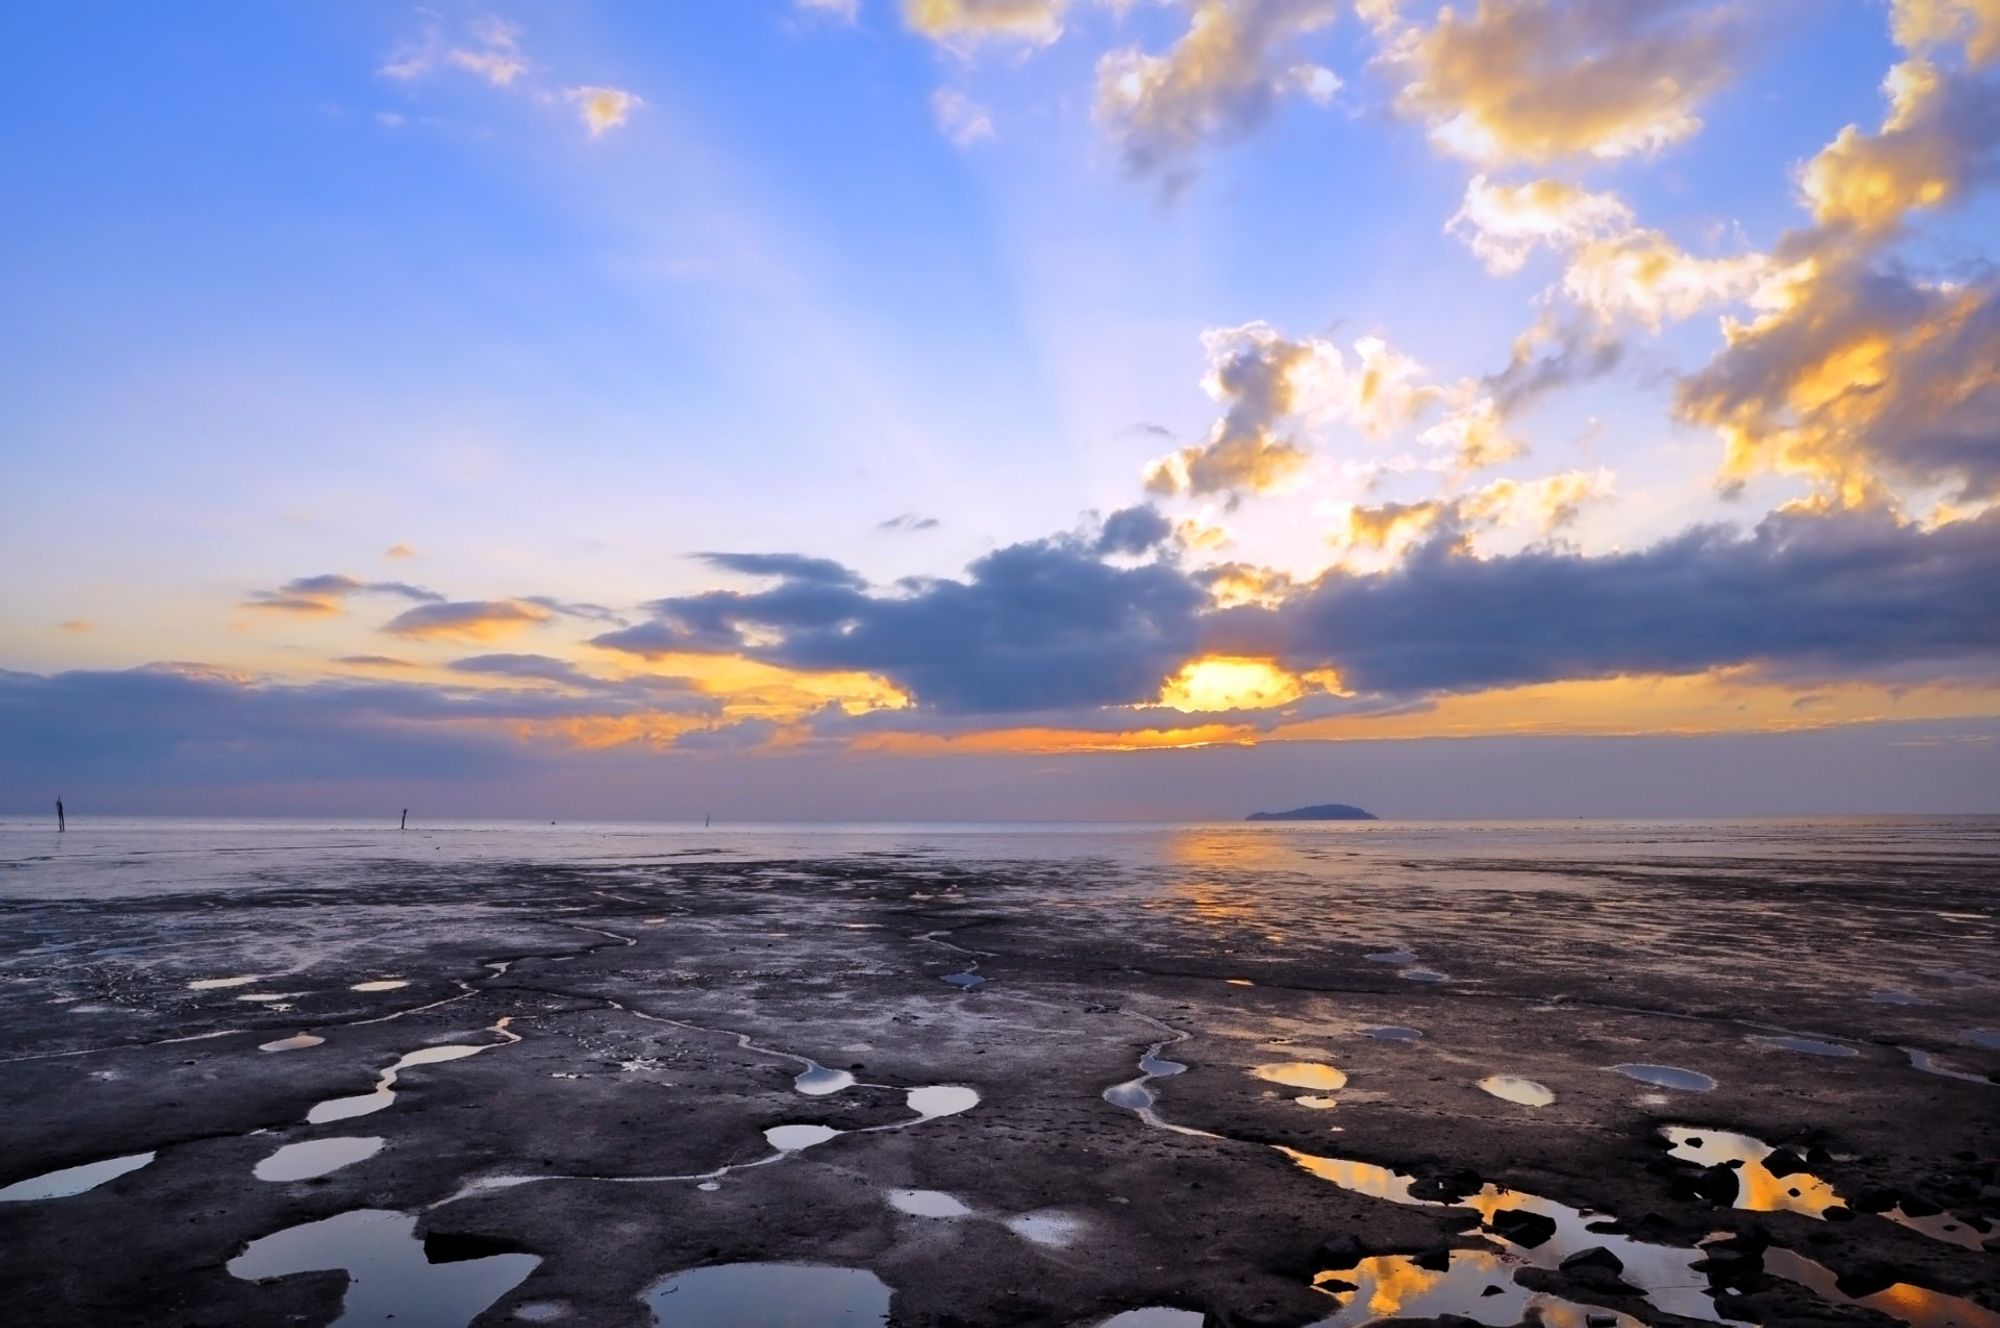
(1040, 740)
(467, 620)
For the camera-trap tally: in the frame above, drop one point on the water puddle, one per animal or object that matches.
(269, 997)
(935, 1101)
(73, 1180)
(818, 1081)
(1985, 1037)
(1763, 1179)
(769, 1295)
(382, 984)
(1897, 998)
(1156, 1316)
(927, 1203)
(1668, 1076)
(1391, 1033)
(1054, 1229)
(296, 1042)
(215, 984)
(798, 1138)
(1537, 1232)
(965, 981)
(384, 1092)
(1752, 1184)
(1421, 975)
(1397, 957)
(1474, 1284)
(1806, 1046)
(1929, 1064)
(317, 1157)
(1513, 1088)
(1909, 1304)
(390, 1277)
(1309, 1075)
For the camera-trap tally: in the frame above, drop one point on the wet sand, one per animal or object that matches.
(1232, 1086)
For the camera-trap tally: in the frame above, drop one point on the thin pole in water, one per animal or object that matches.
(62, 822)
(405, 823)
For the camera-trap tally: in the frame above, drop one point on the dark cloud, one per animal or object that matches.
(575, 609)
(1133, 530)
(1037, 625)
(323, 593)
(1848, 593)
(1049, 625)
(909, 521)
(375, 661)
(537, 668)
(786, 566)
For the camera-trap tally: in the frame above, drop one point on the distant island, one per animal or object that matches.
(1325, 811)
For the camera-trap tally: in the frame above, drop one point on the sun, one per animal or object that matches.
(1230, 682)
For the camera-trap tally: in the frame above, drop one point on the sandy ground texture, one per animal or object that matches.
(916, 1083)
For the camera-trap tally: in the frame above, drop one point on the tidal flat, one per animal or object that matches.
(1575, 1074)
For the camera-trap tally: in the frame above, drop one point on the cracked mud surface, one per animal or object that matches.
(671, 1008)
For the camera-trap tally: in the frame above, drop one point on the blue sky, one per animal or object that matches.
(293, 287)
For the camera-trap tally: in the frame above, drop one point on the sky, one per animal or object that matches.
(1024, 409)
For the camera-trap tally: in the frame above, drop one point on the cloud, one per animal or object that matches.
(1034, 625)
(1133, 531)
(962, 25)
(76, 625)
(495, 56)
(399, 551)
(325, 594)
(1537, 507)
(476, 620)
(492, 51)
(1277, 389)
(1503, 223)
(1861, 376)
(1845, 592)
(1856, 371)
(959, 118)
(1938, 140)
(1923, 24)
(603, 109)
(533, 668)
(375, 662)
(1615, 269)
(1218, 81)
(1536, 80)
(844, 10)
(786, 566)
(909, 521)
(1643, 275)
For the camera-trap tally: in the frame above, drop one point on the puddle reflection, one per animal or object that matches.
(73, 1180)
(1668, 1076)
(1476, 1285)
(1513, 1088)
(769, 1295)
(390, 1280)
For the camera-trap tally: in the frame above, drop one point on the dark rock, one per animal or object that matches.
(1784, 1162)
(1876, 1199)
(1718, 1185)
(1520, 1227)
(457, 1247)
(1594, 1257)
(1865, 1279)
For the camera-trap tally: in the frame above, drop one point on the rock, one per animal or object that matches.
(1594, 1257)
(456, 1247)
(1520, 1227)
(1865, 1279)
(1784, 1162)
(1719, 1185)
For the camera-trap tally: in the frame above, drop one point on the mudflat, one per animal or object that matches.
(1224, 1075)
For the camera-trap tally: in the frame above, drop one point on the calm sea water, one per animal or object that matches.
(147, 855)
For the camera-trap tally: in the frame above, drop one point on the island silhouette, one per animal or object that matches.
(1324, 811)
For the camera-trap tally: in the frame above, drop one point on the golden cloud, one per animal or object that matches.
(1533, 81)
